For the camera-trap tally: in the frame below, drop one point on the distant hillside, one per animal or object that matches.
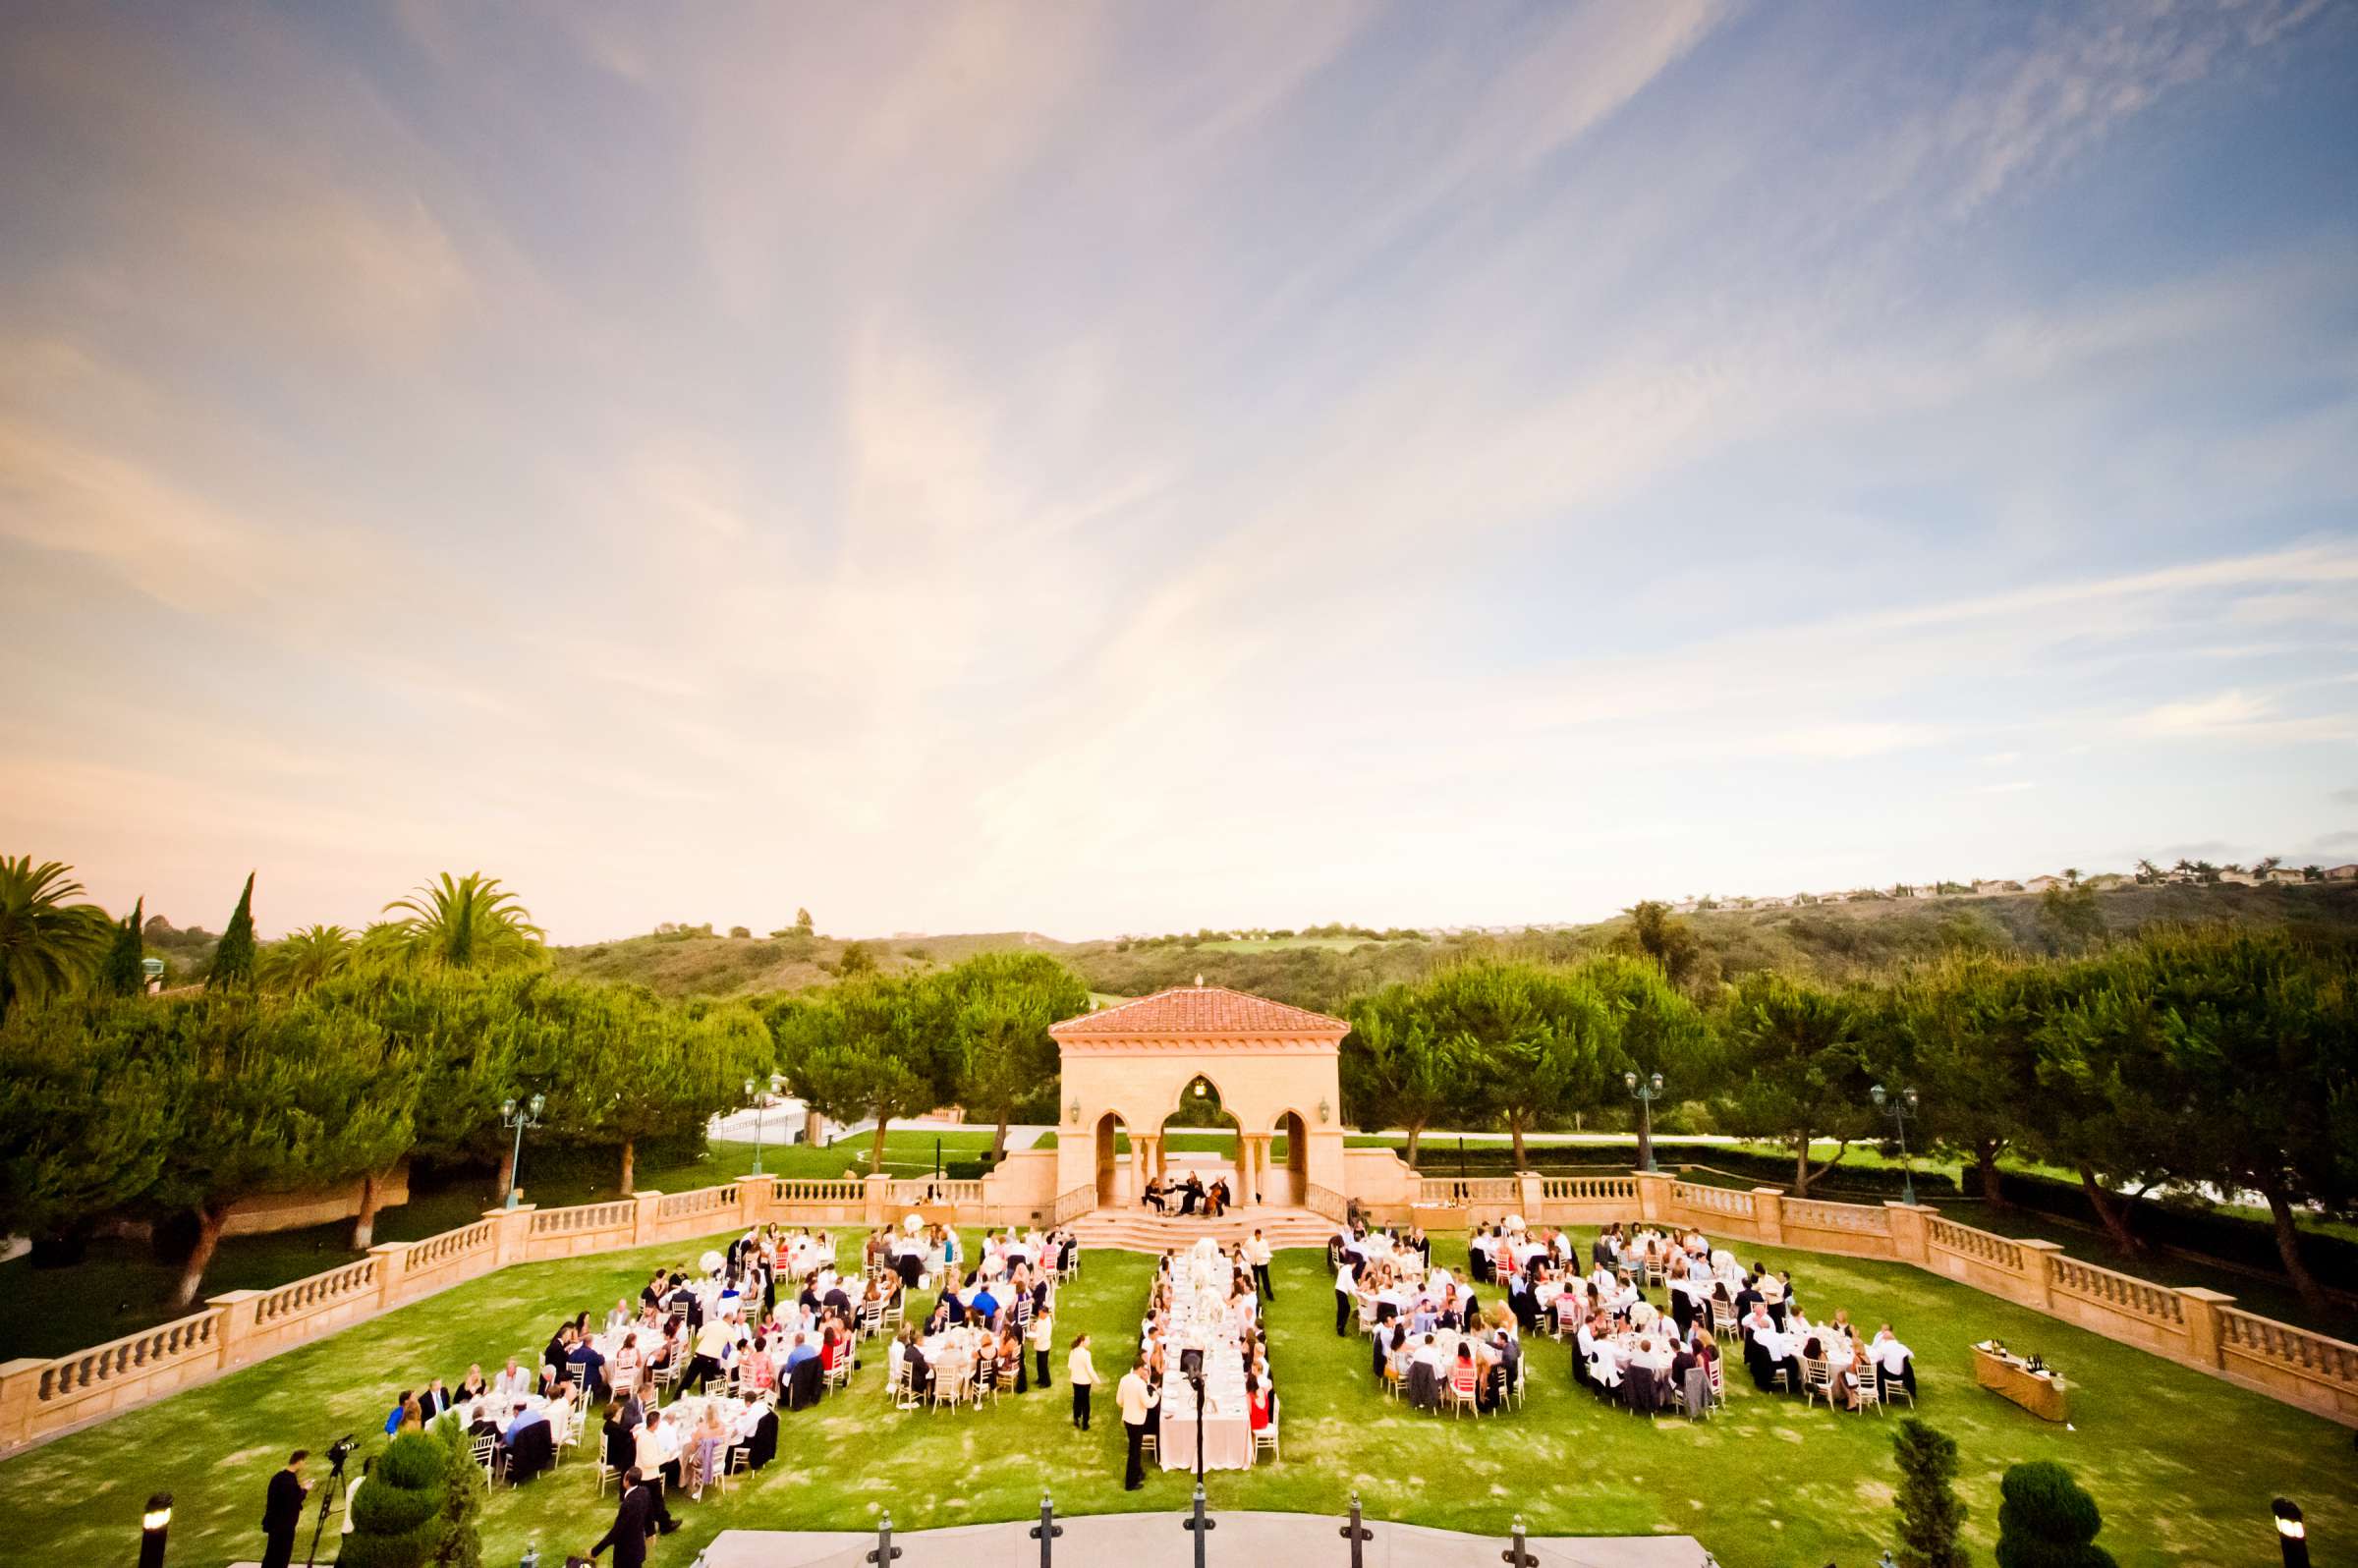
(695, 964)
(1838, 940)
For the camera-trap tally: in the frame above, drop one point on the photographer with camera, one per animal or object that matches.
(282, 1511)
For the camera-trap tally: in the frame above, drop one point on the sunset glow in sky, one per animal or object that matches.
(1129, 467)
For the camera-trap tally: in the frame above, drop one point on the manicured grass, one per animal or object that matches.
(2183, 1465)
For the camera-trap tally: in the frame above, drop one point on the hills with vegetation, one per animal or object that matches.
(1322, 965)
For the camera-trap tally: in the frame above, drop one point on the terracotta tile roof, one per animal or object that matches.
(1201, 1010)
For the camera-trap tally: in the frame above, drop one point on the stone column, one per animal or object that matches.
(648, 1217)
(233, 1325)
(2203, 1336)
(390, 1258)
(1909, 1240)
(1528, 1199)
(1769, 1215)
(512, 1234)
(754, 1197)
(2039, 1273)
(20, 1391)
(1654, 1196)
(879, 1188)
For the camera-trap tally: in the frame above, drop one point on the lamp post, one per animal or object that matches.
(1645, 1093)
(1900, 1107)
(760, 1097)
(2293, 1534)
(153, 1526)
(520, 1117)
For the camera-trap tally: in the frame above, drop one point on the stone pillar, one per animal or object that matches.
(512, 1234)
(1654, 1196)
(234, 1326)
(1259, 1178)
(754, 1197)
(2203, 1336)
(1528, 1199)
(646, 1222)
(2039, 1273)
(1769, 1215)
(20, 1391)
(1910, 1242)
(879, 1188)
(391, 1260)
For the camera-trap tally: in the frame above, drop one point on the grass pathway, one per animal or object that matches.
(2183, 1465)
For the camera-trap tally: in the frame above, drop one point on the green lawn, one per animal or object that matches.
(2183, 1465)
(121, 1287)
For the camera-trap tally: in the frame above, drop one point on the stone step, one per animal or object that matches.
(1134, 1230)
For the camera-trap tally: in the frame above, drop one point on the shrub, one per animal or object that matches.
(463, 1491)
(2046, 1520)
(397, 1514)
(1929, 1516)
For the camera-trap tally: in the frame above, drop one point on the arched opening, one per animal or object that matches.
(1199, 1138)
(1291, 1146)
(1111, 1144)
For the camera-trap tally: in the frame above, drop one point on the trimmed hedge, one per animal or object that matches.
(2249, 1243)
(1441, 1159)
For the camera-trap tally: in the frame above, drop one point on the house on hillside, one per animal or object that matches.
(1773, 901)
(2285, 876)
(2342, 873)
(2040, 885)
(1987, 886)
(2239, 878)
(2106, 881)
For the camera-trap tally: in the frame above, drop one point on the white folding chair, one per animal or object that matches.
(1266, 1438)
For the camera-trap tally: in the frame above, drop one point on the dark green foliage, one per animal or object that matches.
(2046, 1520)
(464, 1493)
(1930, 1518)
(233, 957)
(397, 1514)
(121, 975)
(85, 1119)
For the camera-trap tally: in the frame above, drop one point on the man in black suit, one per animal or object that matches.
(634, 1522)
(436, 1402)
(921, 1375)
(282, 1511)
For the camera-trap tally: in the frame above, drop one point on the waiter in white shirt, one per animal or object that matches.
(1138, 1401)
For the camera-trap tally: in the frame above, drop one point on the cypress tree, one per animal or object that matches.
(1930, 1518)
(121, 974)
(233, 959)
(397, 1514)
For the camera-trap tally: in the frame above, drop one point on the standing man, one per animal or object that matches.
(632, 1525)
(1083, 1373)
(282, 1511)
(1137, 1401)
(1257, 1253)
(1346, 1294)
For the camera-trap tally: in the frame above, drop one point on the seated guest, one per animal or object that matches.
(400, 1409)
(587, 1369)
(758, 1371)
(530, 1444)
(433, 1404)
(1893, 1360)
(471, 1387)
(621, 1448)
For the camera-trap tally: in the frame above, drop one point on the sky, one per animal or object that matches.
(1100, 468)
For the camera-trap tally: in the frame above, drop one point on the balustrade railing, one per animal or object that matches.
(1623, 1189)
(133, 1355)
(2288, 1348)
(2121, 1292)
(435, 1251)
(1072, 1204)
(320, 1290)
(703, 1201)
(1854, 1217)
(799, 1190)
(1462, 1191)
(584, 1216)
(1326, 1200)
(924, 1189)
(1975, 1244)
(1713, 1200)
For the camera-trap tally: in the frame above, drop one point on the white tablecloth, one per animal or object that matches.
(1227, 1432)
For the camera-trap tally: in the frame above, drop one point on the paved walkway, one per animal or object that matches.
(1161, 1540)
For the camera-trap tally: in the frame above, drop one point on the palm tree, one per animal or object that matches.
(2148, 871)
(467, 921)
(46, 943)
(2071, 874)
(307, 957)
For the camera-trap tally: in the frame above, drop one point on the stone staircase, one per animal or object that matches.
(1133, 1229)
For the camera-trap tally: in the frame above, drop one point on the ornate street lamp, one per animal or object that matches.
(1645, 1093)
(759, 1094)
(518, 1117)
(1900, 1107)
